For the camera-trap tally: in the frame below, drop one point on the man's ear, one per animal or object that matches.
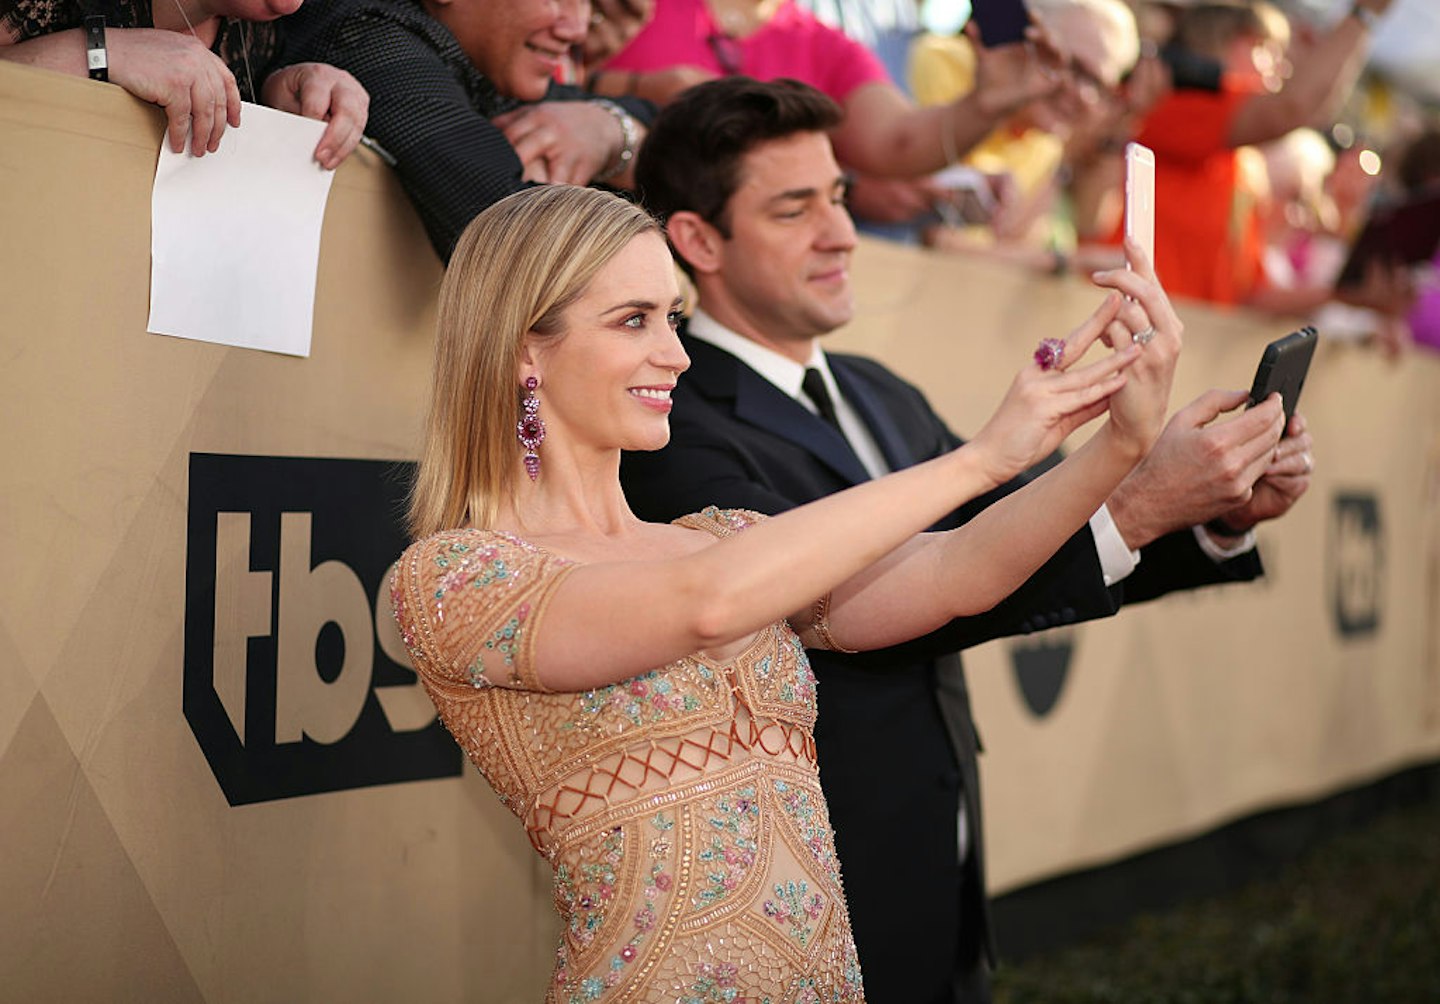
(696, 240)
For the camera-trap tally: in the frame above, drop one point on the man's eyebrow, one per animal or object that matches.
(794, 195)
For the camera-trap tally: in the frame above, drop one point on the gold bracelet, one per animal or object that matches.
(820, 624)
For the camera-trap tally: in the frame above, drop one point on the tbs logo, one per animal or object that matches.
(296, 680)
(1357, 552)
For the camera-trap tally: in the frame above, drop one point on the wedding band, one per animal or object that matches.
(1143, 337)
(1309, 462)
(1049, 353)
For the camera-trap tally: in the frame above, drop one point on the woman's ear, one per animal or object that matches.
(528, 363)
(696, 240)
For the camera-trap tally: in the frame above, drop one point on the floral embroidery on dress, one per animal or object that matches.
(505, 640)
(584, 906)
(797, 907)
(800, 688)
(727, 861)
(733, 520)
(716, 984)
(813, 826)
(582, 893)
(646, 699)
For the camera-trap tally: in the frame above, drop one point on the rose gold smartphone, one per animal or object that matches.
(1140, 197)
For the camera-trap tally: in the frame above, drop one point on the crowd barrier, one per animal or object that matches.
(219, 782)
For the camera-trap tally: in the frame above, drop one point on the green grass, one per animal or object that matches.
(1355, 920)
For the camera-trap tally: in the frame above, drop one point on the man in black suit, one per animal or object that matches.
(744, 178)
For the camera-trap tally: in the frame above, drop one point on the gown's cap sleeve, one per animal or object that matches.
(469, 603)
(721, 522)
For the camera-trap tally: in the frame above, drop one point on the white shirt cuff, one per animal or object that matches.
(1218, 553)
(1116, 560)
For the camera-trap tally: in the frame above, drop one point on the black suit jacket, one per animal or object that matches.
(895, 737)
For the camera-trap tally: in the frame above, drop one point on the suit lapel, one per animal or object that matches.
(716, 373)
(863, 398)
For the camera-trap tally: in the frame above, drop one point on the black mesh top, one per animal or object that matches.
(430, 108)
(249, 48)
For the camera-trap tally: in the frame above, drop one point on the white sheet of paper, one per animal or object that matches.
(235, 236)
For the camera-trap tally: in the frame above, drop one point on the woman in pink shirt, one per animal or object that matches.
(883, 134)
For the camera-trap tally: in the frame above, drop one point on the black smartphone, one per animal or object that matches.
(1282, 368)
(1000, 21)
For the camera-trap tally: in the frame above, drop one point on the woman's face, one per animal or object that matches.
(517, 44)
(605, 382)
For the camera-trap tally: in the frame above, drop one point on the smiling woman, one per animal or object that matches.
(638, 694)
(463, 99)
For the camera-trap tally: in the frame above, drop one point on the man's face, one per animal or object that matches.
(783, 274)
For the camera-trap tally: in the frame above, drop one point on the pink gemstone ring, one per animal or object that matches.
(1049, 353)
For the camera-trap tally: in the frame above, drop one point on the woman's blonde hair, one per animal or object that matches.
(515, 270)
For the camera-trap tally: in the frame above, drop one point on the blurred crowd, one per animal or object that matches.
(1274, 147)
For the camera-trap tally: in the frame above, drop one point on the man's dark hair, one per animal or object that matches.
(691, 158)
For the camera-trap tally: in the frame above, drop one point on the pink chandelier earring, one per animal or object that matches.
(530, 430)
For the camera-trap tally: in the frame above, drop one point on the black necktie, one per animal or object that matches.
(814, 387)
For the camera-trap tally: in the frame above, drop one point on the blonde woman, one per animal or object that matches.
(638, 694)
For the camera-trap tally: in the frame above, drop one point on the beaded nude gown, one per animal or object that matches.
(680, 809)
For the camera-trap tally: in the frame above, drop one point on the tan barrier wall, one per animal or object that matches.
(166, 635)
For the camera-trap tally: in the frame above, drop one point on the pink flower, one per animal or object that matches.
(638, 688)
(628, 953)
(662, 881)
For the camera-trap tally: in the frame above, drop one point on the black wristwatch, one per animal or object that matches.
(97, 58)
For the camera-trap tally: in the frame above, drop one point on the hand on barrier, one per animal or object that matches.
(176, 72)
(325, 93)
(563, 142)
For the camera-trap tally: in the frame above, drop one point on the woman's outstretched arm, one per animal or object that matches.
(608, 621)
(940, 576)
